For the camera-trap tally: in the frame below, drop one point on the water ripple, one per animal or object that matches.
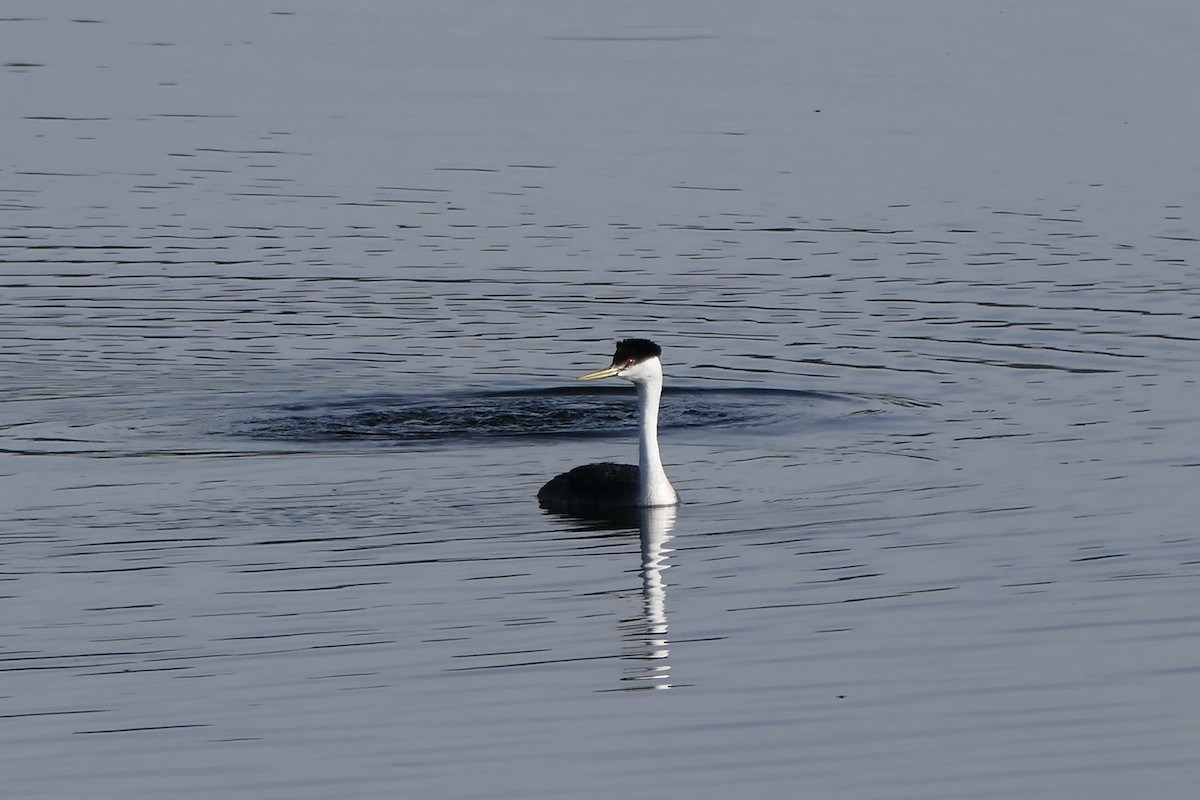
(563, 412)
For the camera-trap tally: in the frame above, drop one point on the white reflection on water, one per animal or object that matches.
(648, 642)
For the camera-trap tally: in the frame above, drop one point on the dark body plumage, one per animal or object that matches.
(591, 489)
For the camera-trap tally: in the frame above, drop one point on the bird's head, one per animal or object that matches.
(635, 360)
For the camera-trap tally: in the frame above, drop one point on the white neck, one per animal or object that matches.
(653, 487)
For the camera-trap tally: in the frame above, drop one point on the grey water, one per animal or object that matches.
(291, 303)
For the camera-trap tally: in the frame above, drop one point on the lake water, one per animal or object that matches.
(292, 301)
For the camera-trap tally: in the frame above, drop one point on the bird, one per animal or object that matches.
(599, 489)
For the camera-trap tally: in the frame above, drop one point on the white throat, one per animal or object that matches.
(653, 487)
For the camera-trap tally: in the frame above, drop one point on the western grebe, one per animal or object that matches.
(597, 488)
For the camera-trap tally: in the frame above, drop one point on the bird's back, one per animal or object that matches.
(591, 488)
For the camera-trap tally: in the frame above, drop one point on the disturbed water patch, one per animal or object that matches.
(573, 412)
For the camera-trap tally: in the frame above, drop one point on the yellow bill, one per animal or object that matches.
(607, 372)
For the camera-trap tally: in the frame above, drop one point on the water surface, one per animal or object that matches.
(293, 300)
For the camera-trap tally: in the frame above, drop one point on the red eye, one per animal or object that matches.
(629, 362)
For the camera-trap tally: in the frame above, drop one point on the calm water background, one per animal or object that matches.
(291, 294)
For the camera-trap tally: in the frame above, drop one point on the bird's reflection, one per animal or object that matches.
(646, 641)
(646, 647)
